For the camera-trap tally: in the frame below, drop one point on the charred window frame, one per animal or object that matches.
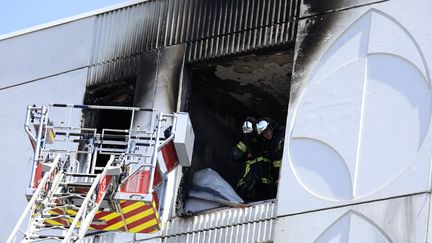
(116, 93)
(221, 94)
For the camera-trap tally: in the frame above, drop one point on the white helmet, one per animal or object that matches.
(247, 127)
(262, 125)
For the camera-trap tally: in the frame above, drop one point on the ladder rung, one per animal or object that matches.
(66, 194)
(120, 136)
(42, 227)
(76, 184)
(35, 237)
(112, 150)
(111, 142)
(57, 216)
(52, 206)
(94, 221)
(39, 225)
(81, 134)
(80, 175)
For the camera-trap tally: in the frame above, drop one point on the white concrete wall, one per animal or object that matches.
(15, 149)
(46, 52)
(41, 67)
(401, 219)
(358, 129)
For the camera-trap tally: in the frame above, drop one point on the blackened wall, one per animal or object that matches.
(209, 28)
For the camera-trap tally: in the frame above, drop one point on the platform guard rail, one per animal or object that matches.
(89, 178)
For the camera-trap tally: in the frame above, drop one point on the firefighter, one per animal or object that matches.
(256, 183)
(244, 147)
(271, 144)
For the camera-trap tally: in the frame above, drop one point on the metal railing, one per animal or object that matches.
(65, 157)
(50, 134)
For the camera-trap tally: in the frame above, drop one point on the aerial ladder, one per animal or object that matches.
(98, 179)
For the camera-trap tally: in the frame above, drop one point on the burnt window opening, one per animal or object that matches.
(118, 93)
(222, 94)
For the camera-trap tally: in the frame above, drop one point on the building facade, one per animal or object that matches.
(350, 80)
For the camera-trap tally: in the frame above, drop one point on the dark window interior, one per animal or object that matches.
(222, 94)
(118, 93)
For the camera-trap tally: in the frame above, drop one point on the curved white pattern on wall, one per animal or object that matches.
(353, 227)
(364, 113)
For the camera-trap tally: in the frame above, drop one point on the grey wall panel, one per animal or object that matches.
(168, 79)
(124, 68)
(46, 52)
(193, 20)
(253, 224)
(245, 233)
(209, 28)
(16, 151)
(236, 43)
(221, 27)
(158, 81)
(122, 36)
(127, 32)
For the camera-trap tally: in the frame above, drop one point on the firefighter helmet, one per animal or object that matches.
(262, 125)
(248, 127)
